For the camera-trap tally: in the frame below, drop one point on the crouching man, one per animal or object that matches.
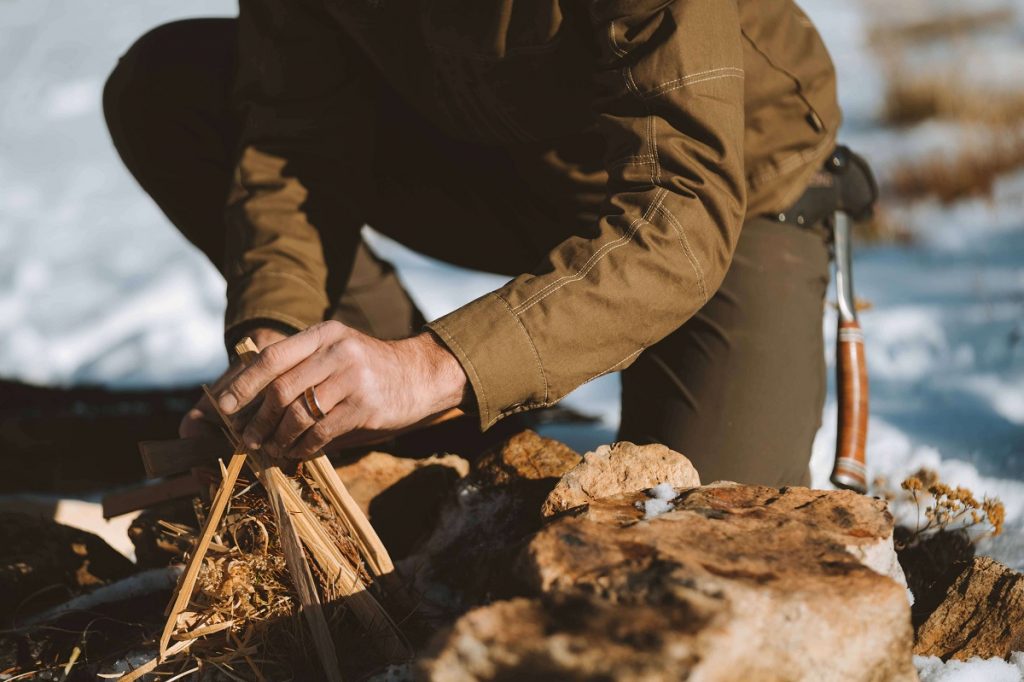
(623, 162)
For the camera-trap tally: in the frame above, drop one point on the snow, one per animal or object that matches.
(932, 669)
(659, 501)
(96, 286)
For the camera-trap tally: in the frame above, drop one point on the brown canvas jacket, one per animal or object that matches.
(711, 110)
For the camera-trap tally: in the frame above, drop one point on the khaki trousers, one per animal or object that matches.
(739, 388)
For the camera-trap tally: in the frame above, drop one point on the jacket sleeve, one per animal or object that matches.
(670, 100)
(305, 122)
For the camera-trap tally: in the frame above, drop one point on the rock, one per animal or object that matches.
(402, 496)
(526, 456)
(39, 555)
(733, 583)
(982, 615)
(483, 526)
(620, 468)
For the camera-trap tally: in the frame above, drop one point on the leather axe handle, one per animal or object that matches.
(850, 470)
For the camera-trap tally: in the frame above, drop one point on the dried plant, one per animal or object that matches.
(945, 26)
(971, 172)
(946, 509)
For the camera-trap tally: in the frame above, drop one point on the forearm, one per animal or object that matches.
(671, 104)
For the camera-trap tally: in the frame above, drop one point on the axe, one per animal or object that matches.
(857, 192)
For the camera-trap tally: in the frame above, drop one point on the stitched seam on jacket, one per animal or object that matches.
(692, 79)
(618, 51)
(549, 403)
(638, 161)
(536, 353)
(639, 350)
(652, 143)
(685, 244)
(594, 259)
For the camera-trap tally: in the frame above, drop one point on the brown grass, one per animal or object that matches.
(911, 98)
(971, 172)
(942, 27)
(885, 227)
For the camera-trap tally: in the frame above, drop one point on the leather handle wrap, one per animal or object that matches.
(852, 388)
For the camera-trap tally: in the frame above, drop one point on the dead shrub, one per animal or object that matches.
(942, 27)
(914, 97)
(941, 543)
(971, 172)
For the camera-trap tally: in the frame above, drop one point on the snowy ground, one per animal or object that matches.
(96, 286)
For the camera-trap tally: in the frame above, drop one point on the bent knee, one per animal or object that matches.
(169, 64)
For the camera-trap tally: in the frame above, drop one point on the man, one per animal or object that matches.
(621, 160)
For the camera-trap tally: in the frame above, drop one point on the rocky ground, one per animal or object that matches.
(534, 562)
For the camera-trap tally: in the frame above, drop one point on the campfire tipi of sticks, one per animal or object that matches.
(268, 548)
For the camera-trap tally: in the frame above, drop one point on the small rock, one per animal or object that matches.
(402, 496)
(620, 468)
(982, 615)
(525, 456)
(737, 583)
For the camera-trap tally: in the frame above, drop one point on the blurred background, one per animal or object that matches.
(99, 294)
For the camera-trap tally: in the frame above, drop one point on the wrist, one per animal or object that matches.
(444, 374)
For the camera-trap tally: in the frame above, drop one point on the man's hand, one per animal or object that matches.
(202, 420)
(362, 385)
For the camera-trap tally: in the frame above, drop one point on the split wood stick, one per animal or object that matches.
(151, 665)
(168, 457)
(302, 578)
(183, 591)
(275, 483)
(346, 581)
(374, 553)
(143, 496)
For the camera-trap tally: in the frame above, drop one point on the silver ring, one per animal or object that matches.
(312, 404)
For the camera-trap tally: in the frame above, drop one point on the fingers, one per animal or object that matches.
(337, 422)
(271, 363)
(297, 417)
(196, 424)
(284, 395)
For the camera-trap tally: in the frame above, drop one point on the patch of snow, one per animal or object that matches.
(659, 501)
(932, 669)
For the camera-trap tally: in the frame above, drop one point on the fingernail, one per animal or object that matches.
(227, 403)
(251, 441)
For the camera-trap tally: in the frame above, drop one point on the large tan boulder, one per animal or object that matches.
(620, 468)
(728, 582)
(982, 615)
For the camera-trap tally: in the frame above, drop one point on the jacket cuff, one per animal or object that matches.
(498, 355)
(280, 297)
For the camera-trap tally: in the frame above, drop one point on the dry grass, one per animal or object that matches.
(885, 227)
(943, 27)
(911, 98)
(970, 172)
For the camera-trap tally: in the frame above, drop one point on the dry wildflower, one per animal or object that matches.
(945, 508)
(912, 483)
(996, 514)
